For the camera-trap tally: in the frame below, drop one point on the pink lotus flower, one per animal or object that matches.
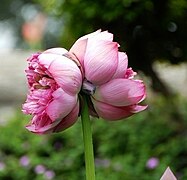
(54, 83)
(113, 92)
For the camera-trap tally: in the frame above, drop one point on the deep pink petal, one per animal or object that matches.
(61, 105)
(121, 92)
(110, 112)
(46, 129)
(67, 74)
(122, 65)
(69, 120)
(100, 61)
(130, 74)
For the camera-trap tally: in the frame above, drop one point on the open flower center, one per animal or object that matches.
(88, 88)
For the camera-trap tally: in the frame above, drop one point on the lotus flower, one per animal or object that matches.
(93, 67)
(108, 82)
(54, 82)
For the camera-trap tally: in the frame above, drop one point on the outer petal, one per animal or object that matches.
(122, 65)
(105, 35)
(45, 129)
(61, 105)
(79, 47)
(58, 125)
(110, 112)
(67, 74)
(46, 59)
(100, 61)
(89, 35)
(121, 92)
(69, 120)
(58, 51)
(48, 56)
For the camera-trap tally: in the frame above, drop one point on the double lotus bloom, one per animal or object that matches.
(93, 68)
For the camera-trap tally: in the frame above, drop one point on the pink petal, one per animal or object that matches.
(43, 130)
(48, 56)
(67, 74)
(105, 35)
(122, 65)
(69, 120)
(121, 92)
(110, 112)
(98, 35)
(137, 108)
(61, 105)
(93, 34)
(79, 47)
(47, 59)
(100, 61)
(58, 51)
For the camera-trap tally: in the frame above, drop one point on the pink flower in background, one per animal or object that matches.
(110, 84)
(152, 163)
(24, 161)
(54, 83)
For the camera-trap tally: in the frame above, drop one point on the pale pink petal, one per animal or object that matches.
(120, 92)
(105, 35)
(100, 61)
(67, 74)
(58, 51)
(79, 47)
(137, 108)
(48, 56)
(168, 175)
(122, 65)
(69, 120)
(110, 112)
(90, 35)
(47, 59)
(61, 105)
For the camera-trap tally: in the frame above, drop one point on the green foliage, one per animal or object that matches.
(122, 148)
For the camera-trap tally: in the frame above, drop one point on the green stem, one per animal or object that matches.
(88, 144)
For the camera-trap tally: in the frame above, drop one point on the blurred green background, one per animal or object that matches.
(153, 33)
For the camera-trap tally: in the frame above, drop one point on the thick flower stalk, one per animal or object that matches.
(54, 83)
(108, 82)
